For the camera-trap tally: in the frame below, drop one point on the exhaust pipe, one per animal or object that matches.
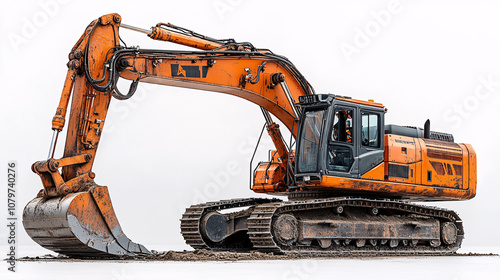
(427, 129)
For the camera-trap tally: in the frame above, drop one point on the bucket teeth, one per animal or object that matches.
(80, 224)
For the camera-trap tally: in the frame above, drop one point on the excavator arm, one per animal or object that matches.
(77, 214)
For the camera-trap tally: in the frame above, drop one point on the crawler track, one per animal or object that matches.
(190, 222)
(264, 212)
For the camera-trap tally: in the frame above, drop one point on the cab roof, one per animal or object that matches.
(327, 98)
(363, 102)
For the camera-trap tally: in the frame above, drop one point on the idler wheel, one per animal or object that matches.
(449, 233)
(214, 227)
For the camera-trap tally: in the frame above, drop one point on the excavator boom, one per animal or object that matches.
(72, 214)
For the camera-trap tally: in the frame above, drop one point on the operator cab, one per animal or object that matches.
(338, 136)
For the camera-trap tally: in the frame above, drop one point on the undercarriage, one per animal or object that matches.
(328, 225)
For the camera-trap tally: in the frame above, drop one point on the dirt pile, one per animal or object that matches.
(206, 255)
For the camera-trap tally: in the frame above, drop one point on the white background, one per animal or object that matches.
(168, 148)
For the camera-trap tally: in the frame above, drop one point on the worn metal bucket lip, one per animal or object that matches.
(51, 224)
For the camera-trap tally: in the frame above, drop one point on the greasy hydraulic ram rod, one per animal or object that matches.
(162, 34)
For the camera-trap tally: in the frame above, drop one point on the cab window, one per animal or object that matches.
(340, 153)
(310, 141)
(370, 130)
(342, 126)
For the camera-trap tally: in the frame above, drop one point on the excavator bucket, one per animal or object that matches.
(80, 224)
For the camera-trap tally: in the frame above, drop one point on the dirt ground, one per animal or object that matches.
(206, 255)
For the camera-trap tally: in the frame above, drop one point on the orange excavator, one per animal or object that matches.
(350, 181)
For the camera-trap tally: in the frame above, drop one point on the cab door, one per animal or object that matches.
(370, 139)
(341, 149)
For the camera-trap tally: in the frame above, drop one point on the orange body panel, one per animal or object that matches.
(445, 163)
(403, 151)
(377, 173)
(429, 162)
(269, 176)
(434, 170)
(392, 189)
(472, 164)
